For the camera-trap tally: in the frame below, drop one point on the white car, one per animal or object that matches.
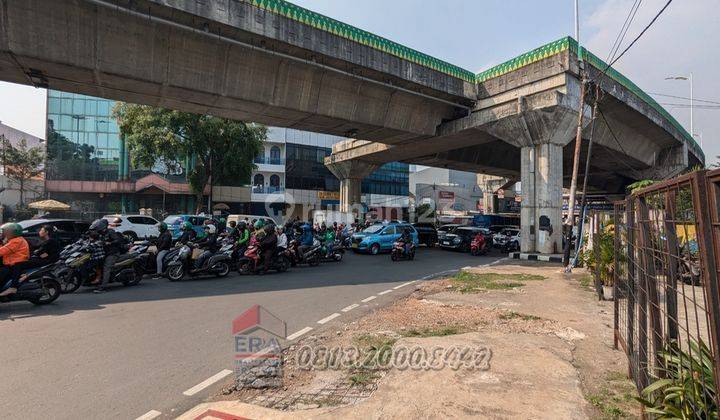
(135, 226)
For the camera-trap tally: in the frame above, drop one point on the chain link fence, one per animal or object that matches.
(666, 286)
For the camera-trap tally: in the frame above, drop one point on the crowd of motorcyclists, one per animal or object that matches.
(257, 242)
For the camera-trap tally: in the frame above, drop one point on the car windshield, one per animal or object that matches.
(374, 229)
(28, 223)
(173, 220)
(509, 232)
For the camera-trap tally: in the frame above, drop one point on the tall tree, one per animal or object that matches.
(222, 149)
(21, 162)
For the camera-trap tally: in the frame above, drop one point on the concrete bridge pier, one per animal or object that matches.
(541, 174)
(351, 173)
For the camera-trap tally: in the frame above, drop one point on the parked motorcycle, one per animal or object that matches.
(479, 246)
(398, 251)
(182, 263)
(310, 256)
(251, 261)
(39, 288)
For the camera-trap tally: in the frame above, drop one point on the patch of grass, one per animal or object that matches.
(514, 315)
(586, 280)
(362, 377)
(374, 341)
(615, 397)
(467, 282)
(433, 332)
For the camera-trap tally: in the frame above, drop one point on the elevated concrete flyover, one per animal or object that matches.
(267, 61)
(272, 62)
(522, 128)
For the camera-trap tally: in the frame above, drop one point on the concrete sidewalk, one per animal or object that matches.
(551, 346)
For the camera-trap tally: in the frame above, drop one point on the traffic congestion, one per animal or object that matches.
(45, 258)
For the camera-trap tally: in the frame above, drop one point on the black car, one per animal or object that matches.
(445, 229)
(460, 238)
(66, 231)
(427, 234)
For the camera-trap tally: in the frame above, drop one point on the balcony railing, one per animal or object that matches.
(260, 189)
(269, 160)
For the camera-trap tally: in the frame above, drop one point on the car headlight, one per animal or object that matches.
(456, 240)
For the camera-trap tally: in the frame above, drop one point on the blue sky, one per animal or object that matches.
(476, 34)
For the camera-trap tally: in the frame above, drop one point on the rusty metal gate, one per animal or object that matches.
(667, 248)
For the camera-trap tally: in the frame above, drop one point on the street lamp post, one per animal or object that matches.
(690, 79)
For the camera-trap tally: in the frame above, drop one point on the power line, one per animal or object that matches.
(688, 106)
(623, 31)
(684, 97)
(639, 35)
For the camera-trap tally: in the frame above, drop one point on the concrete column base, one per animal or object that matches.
(541, 211)
(351, 173)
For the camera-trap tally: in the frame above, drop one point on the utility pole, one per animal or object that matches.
(573, 182)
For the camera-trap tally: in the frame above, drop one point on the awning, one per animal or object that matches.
(49, 205)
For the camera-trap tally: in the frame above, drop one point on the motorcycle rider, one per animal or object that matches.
(209, 243)
(406, 239)
(231, 230)
(268, 246)
(164, 243)
(282, 239)
(328, 237)
(46, 253)
(188, 233)
(306, 240)
(14, 251)
(114, 245)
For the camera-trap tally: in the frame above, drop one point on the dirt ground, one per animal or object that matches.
(549, 346)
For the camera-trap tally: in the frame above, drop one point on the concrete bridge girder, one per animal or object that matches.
(119, 53)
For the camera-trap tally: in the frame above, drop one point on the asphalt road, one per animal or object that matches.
(132, 350)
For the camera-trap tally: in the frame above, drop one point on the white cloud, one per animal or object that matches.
(686, 38)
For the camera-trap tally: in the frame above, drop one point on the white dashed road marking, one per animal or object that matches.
(149, 415)
(207, 382)
(299, 333)
(328, 318)
(403, 285)
(385, 292)
(350, 308)
(368, 299)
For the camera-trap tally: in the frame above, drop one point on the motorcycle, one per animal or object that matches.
(147, 262)
(183, 263)
(338, 251)
(76, 267)
(310, 256)
(478, 245)
(398, 251)
(39, 288)
(251, 263)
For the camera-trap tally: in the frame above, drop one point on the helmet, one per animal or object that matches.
(117, 221)
(99, 225)
(242, 225)
(211, 229)
(187, 226)
(222, 220)
(162, 226)
(13, 229)
(259, 224)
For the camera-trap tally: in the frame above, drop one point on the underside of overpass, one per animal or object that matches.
(272, 62)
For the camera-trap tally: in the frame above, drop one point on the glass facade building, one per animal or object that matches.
(83, 138)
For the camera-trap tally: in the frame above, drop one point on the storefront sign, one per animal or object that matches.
(328, 195)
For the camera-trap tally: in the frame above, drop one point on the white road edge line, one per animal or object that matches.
(207, 382)
(350, 307)
(149, 415)
(403, 285)
(328, 318)
(385, 292)
(298, 333)
(368, 299)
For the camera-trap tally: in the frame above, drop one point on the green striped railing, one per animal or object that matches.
(318, 21)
